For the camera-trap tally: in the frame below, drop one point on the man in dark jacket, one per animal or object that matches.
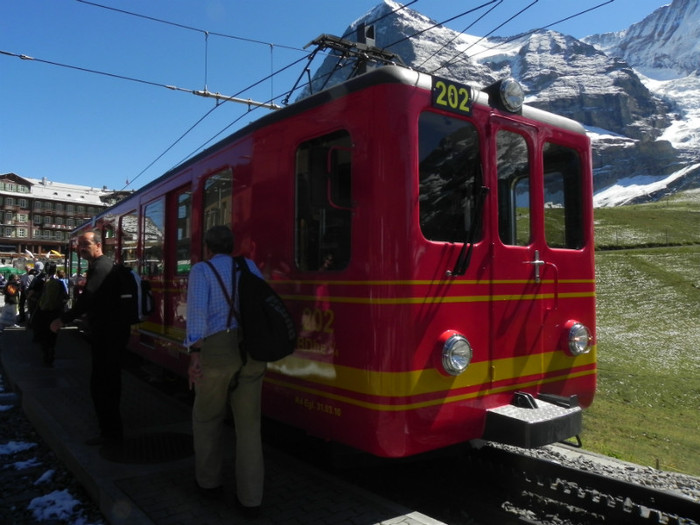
(107, 336)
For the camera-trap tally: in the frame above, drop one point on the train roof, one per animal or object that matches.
(389, 74)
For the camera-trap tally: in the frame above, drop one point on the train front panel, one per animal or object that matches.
(444, 261)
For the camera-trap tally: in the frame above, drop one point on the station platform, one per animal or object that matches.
(152, 482)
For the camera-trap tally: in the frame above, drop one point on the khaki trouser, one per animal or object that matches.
(220, 360)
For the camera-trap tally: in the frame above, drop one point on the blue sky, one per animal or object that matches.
(84, 128)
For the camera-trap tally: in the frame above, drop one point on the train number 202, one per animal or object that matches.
(317, 320)
(452, 96)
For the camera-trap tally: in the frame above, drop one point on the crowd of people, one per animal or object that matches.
(220, 374)
(33, 300)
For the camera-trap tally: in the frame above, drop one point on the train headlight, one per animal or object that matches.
(512, 95)
(456, 353)
(506, 94)
(578, 338)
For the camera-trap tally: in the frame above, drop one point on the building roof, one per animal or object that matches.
(60, 191)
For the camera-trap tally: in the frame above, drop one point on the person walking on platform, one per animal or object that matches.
(34, 289)
(11, 295)
(50, 306)
(219, 375)
(25, 280)
(107, 336)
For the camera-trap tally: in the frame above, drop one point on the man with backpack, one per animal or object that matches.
(219, 375)
(34, 288)
(51, 304)
(107, 334)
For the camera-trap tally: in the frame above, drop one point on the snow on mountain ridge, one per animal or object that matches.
(641, 125)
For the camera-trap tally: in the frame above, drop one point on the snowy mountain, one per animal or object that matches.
(636, 91)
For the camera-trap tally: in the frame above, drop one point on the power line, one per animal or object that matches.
(199, 92)
(498, 2)
(190, 28)
(544, 27)
(445, 64)
(129, 183)
(253, 105)
(517, 37)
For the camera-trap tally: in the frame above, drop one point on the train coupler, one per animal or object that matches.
(529, 423)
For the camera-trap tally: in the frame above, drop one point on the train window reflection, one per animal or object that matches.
(183, 250)
(153, 237)
(449, 177)
(216, 209)
(129, 229)
(109, 241)
(513, 189)
(323, 203)
(563, 214)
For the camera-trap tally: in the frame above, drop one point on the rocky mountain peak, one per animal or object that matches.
(638, 126)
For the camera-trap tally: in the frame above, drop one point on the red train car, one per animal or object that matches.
(434, 243)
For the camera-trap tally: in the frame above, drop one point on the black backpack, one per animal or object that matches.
(135, 300)
(267, 327)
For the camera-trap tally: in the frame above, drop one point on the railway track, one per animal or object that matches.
(494, 485)
(543, 485)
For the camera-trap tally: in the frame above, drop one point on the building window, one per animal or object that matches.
(37, 205)
(37, 219)
(8, 232)
(22, 203)
(47, 220)
(81, 209)
(9, 201)
(48, 205)
(70, 222)
(22, 217)
(21, 232)
(8, 217)
(59, 206)
(70, 208)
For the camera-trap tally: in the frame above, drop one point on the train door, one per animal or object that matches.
(517, 299)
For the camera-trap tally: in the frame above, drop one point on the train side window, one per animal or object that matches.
(183, 249)
(513, 189)
(153, 234)
(449, 178)
(563, 214)
(129, 230)
(323, 203)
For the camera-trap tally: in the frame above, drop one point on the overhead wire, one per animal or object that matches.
(527, 33)
(184, 26)
(454, 57)
(271, 46)
(497, 2)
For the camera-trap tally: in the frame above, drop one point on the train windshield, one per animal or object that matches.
(449, 178)
(563, 193)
